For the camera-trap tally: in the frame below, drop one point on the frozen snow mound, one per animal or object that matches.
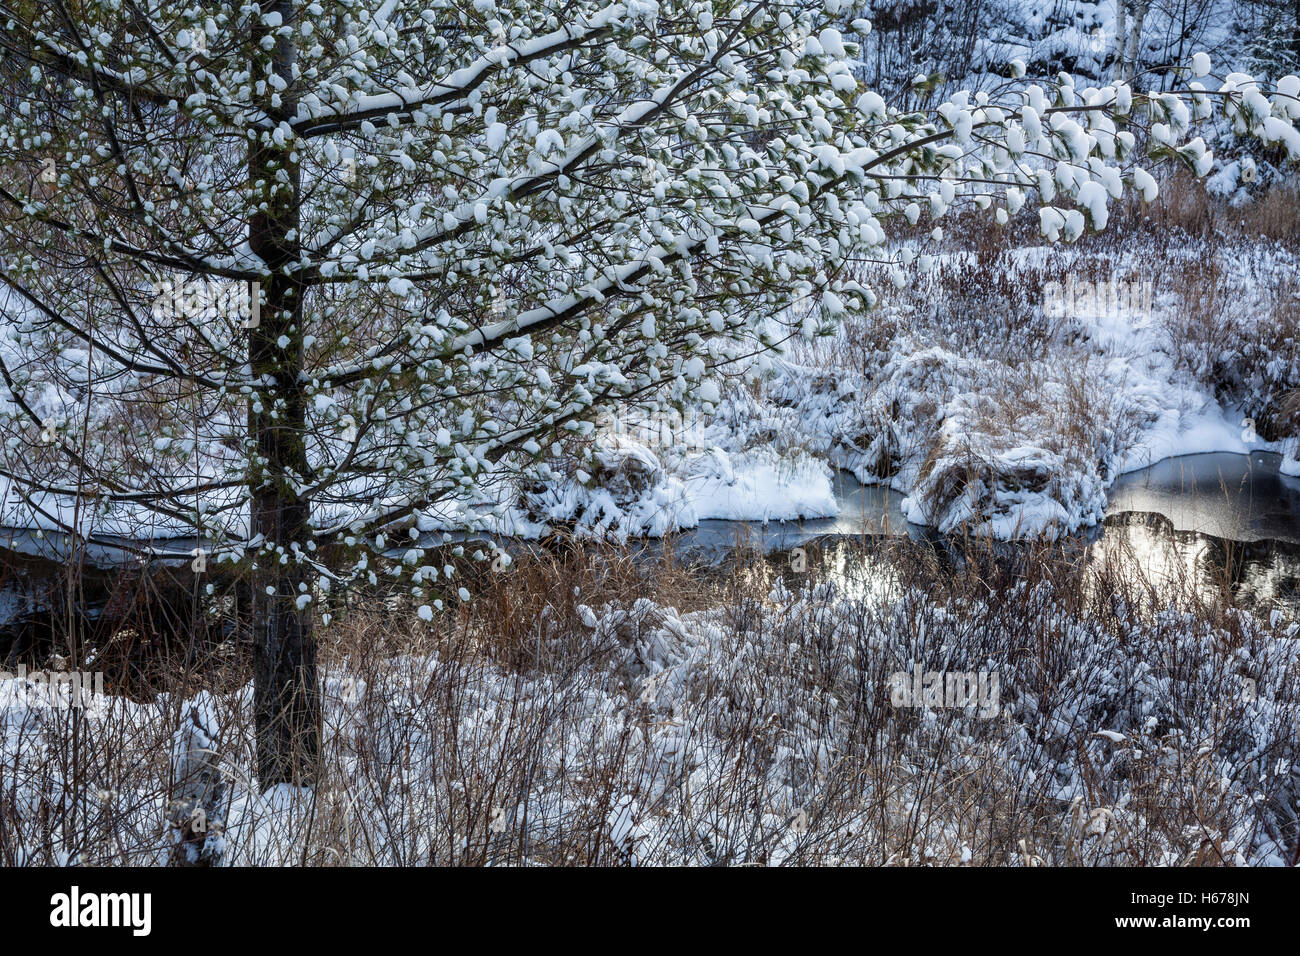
(758, 485)
(1021, 493)
(627, 493)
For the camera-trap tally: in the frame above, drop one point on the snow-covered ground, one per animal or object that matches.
(1009, 413)
(1001, 392)
(765, 731)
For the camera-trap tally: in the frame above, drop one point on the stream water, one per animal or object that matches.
(1217, 519)
(1222, 519)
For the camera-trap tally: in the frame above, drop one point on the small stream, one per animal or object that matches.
(1223, 519)
(1217, 519)
(1233, 497)
(1214, 517)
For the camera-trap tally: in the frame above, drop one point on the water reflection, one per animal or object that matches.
(1261, 574)
(1217, 524)
(1235, 497)
(1223, 522)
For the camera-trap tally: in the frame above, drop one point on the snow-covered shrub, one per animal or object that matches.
(626, 493)
(1239, 334)
(1132, 726)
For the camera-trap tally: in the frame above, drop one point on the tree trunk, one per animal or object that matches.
(1134, 45)
(286, 691)
(1295, 30)
(1121, 41)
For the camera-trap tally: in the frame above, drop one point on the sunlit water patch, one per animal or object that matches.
(1213, 523)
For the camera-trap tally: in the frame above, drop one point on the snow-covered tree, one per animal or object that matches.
(309, 276)
(1272, 29)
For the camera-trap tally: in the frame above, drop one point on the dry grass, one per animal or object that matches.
(1187, 209)
(511, 731)
(1184, 210)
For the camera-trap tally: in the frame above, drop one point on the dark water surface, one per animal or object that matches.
(1217, 520)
